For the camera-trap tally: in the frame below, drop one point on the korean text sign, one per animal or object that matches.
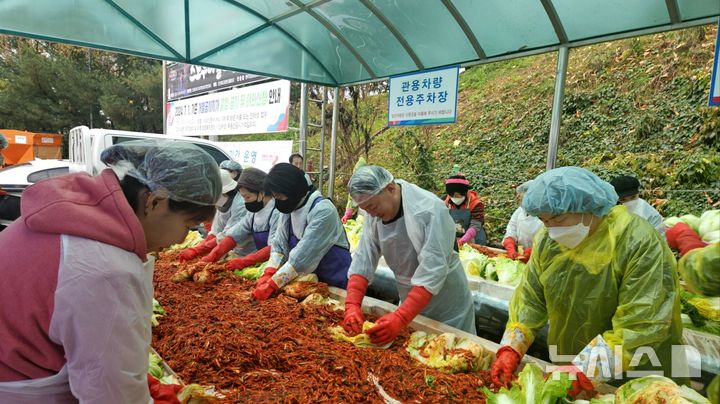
(262, 108)
(425, 98)
(262, 155)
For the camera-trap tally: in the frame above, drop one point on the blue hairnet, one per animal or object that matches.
(183, 171)
(231, 165)
(367, 182)
(522, 188)
(569, 190)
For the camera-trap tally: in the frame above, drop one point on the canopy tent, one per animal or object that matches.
(342, 42)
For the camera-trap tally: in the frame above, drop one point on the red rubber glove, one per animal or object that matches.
(258, 256)
(269, 272)
(506, 363)
(581, 382)
(227, 244)
(354, 318)
(389, 326)
(163, 393)
(526, 255)
(468, 236)
(263, 291)
(348, 214)
(200, 249)
(683, 238)
(511, 247)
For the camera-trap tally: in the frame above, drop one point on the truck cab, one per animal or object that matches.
(87, 144)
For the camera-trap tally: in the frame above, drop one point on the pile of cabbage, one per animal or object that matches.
(501, 268)
(531, 386)
(657, 389)
(700, 313)
(448, 353)
(353, 229)
(707, 225)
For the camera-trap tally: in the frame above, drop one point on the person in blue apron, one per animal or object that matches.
(308, 237)
(466, 210)
(255, 226)
(411, 229)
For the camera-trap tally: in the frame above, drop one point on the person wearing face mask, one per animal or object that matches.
(308, 236)
(410, 227)
(603, 278)
(230, 211)
(521, 229)
(257, 225)
(466, 209)
(76, 295)
(628, 189)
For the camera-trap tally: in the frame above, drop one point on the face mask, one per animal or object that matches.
(222, 201)
(570, 236)
(287, 205)
(457, 201)
(256, 206)
(632, 205)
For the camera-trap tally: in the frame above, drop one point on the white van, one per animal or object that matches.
(87, 144)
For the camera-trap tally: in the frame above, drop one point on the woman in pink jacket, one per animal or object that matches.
(76, 288)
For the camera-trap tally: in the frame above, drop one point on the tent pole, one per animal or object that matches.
(555, 119)
(164, 96)
(302, 147)
(333, 141)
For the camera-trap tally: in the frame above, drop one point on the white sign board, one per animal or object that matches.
(262, 155)
(715, 82)
(425, 98)
(261, 108)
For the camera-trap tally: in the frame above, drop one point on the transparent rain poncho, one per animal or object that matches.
(367, 182)
(620, 282)
(569, 190)
(181, 170)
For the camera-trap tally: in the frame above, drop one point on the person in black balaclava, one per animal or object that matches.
(308, 238)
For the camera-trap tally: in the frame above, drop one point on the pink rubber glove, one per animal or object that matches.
(389, 326)
(468, 236)
(354, 318)
(348, 214)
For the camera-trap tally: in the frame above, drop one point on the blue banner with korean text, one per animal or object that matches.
(425, 98)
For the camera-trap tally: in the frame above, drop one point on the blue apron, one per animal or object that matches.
(261, 237)
(333, 267)
(462, 216)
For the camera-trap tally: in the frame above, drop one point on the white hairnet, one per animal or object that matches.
(569, 190)
(185, 172)
(522, 188)
(231, 165)
(367, 182)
